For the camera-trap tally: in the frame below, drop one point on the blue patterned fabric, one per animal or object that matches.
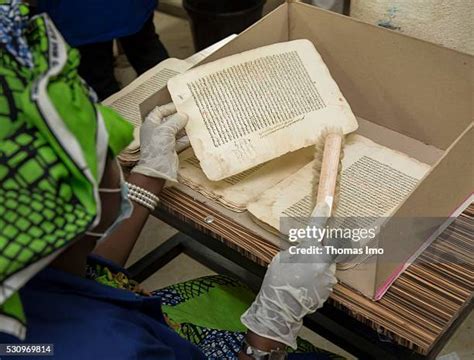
(13, 22)
(220, 344)
(217, 343)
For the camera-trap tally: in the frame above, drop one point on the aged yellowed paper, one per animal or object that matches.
(374, 181)
(237, 191)
(252, 107)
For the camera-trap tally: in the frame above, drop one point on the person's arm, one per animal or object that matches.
(261, 343)
(158, 162)
(119, 244)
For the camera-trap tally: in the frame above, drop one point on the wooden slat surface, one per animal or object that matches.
(417, 309)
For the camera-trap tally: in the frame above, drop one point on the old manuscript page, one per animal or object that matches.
(374, 181)
(127, 101)
(237, 191)
(255, 106)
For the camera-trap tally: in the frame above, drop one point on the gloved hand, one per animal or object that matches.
(294, 286)
(161, 138)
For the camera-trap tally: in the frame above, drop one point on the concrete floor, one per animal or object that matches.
(176, 35)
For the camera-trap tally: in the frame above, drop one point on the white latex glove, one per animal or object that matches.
(160, 141)
(290, 290)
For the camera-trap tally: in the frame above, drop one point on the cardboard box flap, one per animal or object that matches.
(408, 85)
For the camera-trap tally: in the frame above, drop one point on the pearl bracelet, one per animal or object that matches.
(142, 196)
(142, 202)
(141, 190)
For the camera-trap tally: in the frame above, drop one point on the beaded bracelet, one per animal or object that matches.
(142, 196)
(139, 189)
(142, 202)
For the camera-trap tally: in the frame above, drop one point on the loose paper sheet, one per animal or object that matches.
(127, 101)
(255, 106)
(374, 181)
(237, 191)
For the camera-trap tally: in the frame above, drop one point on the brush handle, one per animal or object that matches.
(329, 170)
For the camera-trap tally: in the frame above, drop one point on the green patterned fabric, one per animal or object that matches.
(54, 141)
(206, 312)
(199, 297)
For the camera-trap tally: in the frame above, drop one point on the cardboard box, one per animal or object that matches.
(414, 88)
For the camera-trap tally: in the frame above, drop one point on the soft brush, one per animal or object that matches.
(327, 173)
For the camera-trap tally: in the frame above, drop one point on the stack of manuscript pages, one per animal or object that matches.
(252, 120)
(374, 181)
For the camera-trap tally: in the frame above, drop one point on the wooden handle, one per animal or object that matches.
(329, 169)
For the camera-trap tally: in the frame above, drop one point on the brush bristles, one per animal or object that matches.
(318, 161)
